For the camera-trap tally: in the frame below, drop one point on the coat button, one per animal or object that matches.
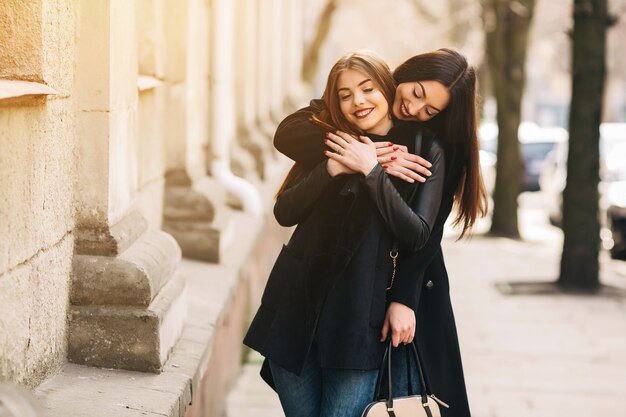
(430, 285)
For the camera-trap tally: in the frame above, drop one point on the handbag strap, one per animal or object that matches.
(386, 363)
(422, 148)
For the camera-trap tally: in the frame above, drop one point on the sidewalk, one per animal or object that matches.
(539, 355)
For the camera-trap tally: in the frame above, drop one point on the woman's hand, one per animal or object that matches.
(335, 168)
(359, 155)
(398, 162)
(401, 320)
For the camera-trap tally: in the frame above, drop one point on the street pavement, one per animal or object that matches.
(545, 355)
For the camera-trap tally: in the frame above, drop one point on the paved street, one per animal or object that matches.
(541, 355)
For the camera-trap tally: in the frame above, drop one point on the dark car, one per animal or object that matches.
(536, 143)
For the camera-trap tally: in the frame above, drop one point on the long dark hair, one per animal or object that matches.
(331, 118)
(456, 126)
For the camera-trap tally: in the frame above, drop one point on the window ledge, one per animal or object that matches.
(16, 88)
(147, 82)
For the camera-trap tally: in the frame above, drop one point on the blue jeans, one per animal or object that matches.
(320, 392)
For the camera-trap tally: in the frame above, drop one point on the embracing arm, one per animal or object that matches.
(410, 224)
(294, 204)
(301, 140)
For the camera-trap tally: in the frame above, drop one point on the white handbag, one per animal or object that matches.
(420, 405)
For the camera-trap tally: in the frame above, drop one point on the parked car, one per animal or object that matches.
(535, 144)
(488, 169)
(615, 200)
(612, 187)
(552, 178)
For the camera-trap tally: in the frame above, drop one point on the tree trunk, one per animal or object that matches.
(312, 53)
(581, 227)
(507, 25)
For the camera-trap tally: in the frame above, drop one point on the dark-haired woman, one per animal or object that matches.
(422, 281)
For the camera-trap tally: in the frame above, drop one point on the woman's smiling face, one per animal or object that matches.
(420, 100)
(362, 102)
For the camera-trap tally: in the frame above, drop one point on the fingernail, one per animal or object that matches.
(429, 173)
(327, 134)
(395, 148)
(385, 166)
(393, 158)
(325, 140)
(390, 143)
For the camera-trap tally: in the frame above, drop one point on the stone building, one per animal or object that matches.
(136, 181)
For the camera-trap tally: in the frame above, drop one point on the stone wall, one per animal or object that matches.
(133, 134)
(37, 173)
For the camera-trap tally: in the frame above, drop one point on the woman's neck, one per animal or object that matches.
(382, 129)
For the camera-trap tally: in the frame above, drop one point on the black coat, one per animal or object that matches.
(328, 283)
(436, 333)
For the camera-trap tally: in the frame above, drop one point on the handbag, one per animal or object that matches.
(413, 405)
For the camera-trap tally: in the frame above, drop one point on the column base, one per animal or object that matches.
(197, 217)
(127, 311)
(137, 339)
(246, 159)
(258, 144)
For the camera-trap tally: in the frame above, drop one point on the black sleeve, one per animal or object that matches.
(294, 204)
(412, 267)
(301, 140)
(410, 223)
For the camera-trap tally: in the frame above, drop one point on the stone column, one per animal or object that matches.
(37, 171)
(249, 137)
(127, 302)
(195, 205)
(296, 94)
(278, 71)
(151, 110)
(223, 99)
(264, 74)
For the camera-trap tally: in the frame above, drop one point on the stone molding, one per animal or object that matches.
(110, 240)
(134, 278)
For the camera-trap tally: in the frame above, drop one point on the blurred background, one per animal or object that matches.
(137, 177)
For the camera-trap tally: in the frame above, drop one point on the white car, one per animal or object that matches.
(612, 187)
(535, 144)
